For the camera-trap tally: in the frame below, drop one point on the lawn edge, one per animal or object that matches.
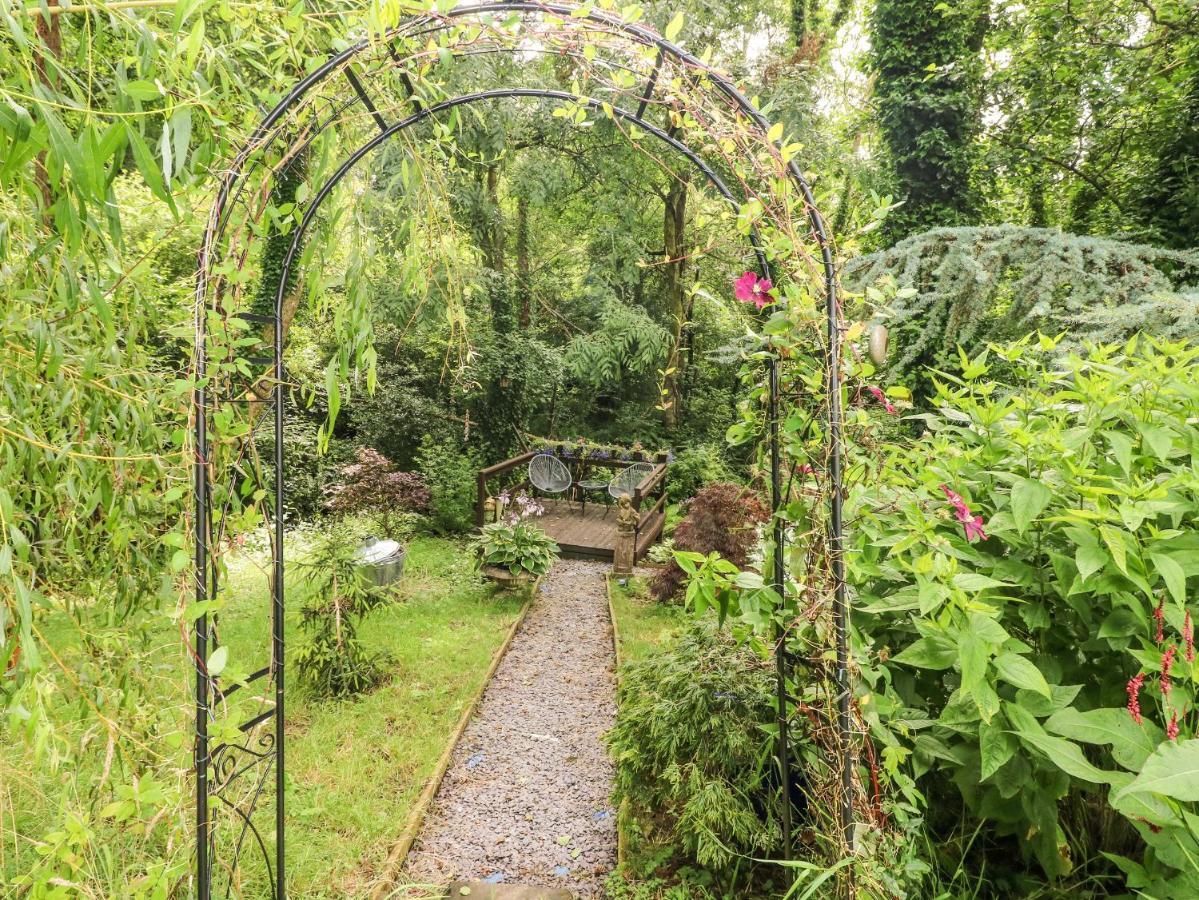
(621, 840)
(416, 816)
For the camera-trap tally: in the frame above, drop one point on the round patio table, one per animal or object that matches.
(589, 485)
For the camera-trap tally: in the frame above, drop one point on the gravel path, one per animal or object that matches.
(527, 797)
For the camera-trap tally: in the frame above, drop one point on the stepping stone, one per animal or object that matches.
(478, 890)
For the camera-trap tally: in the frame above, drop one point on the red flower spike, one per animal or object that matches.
(1134, 696)
(882, 398)
(1172, 728)
(1167, 664)
(1188, 636)
(1159, 616)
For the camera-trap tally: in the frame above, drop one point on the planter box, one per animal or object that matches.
(508, 581)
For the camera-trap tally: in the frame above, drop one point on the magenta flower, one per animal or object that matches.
(971, 523)
(881, 398)
(749, 288)
(1172, 728)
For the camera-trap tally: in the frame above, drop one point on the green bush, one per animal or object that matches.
(693, 469)
(451, 471)
(1024, 573)
(308, 473)
(691, 751)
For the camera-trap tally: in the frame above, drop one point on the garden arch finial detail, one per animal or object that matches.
(380, 89)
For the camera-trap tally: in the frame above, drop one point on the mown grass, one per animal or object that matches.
(643, 624)
(354, 767)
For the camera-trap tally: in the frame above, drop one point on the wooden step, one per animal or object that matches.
(478, 890)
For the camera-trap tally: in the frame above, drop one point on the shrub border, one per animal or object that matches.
(416, 816)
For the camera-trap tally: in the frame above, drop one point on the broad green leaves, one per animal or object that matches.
(1029, 499)
(1131, 743)
(1173, 575)
(1172, 771)
(929, 653)
(1019, 671)
(1034, 633)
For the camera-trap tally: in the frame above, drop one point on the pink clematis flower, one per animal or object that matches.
(973, 525)
(881, 398)
(749, 288)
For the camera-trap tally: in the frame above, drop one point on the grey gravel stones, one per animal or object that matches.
(527, 797)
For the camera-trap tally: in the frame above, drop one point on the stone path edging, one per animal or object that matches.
(416, 817)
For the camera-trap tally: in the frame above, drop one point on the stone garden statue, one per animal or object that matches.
(626, 530)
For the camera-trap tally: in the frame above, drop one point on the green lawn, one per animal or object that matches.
(642, 623)
(354, 767)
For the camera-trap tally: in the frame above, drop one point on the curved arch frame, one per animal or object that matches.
(206, 689)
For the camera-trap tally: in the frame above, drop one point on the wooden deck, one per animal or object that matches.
(592, 535)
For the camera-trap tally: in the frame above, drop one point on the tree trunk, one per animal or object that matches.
(49, 32)
(493, 244)
(674, 234)
(524, 287)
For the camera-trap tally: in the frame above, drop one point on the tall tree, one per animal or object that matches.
(674, 234)
(927, 62)
(1170, 204)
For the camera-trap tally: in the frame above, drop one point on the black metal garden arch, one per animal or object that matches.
(254, 759)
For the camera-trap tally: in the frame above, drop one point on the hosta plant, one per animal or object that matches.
(520, 547)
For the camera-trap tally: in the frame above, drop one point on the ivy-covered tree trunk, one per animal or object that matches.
(1171, 202)
(524, 288)
(812, 24)
(926, 58)
(493, 231)
(674, 234)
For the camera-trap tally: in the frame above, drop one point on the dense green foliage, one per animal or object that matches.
(533, 269)
(987, 656)
(1023, 614)
(688, 748)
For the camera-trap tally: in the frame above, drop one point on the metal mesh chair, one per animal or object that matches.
(548, 475)
(626, 480)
